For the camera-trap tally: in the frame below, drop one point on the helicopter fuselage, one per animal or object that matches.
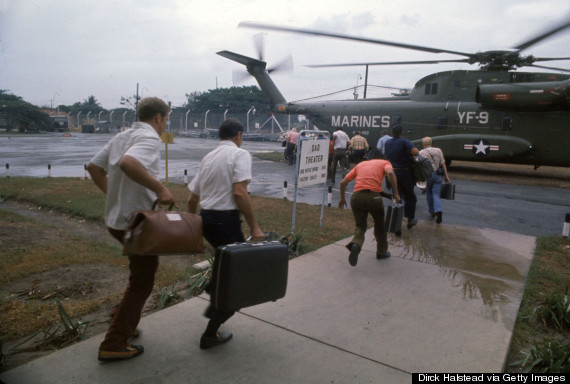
(489, 117)
(463, 130)
(486, 116)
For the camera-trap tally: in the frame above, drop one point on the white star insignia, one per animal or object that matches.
(481, 148)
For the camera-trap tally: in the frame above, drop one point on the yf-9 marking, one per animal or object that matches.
(468, 117)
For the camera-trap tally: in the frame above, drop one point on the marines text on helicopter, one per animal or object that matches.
(494, 114)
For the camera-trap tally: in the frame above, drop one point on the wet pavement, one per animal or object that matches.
(535, 211)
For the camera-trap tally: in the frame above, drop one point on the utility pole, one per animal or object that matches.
(137, 103)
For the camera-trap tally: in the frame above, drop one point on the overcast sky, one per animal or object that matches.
(56, 52)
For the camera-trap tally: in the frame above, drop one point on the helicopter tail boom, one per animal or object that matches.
(257, 69)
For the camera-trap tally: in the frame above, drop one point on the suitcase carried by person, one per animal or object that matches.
(447, 191)
(394, 216)
(247, 274)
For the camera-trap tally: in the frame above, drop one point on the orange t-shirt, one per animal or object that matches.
(369, 175)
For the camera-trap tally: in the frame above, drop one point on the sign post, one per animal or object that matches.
(167, 138)
(312, 162)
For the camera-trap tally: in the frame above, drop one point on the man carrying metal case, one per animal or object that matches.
(367, 199)
(220, 187)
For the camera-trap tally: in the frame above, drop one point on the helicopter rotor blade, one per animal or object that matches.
(259, 42)
(550, 58)
(244, 24)
(565, 24)
(285, 65)
(239, 76)
(551, 68)
(388, 63)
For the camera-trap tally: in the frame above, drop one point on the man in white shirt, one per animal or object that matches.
(220, 187)
(433, 186)
(340, 140)
(127, 171)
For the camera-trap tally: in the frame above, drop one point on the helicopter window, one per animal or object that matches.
(431, 89)
(522, 77)
(434, 89)
(441, 122)
(507, 123)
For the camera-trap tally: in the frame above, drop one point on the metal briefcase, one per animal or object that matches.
(248, 274)
(447, 191)
(394, 216)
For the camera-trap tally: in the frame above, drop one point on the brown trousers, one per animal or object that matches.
(362, 204)
(129, 310)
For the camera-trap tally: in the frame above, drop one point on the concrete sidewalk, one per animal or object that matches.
(446, 301)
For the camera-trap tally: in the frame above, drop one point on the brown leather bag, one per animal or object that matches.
(158, 232)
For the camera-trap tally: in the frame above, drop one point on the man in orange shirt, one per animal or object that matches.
(367, 199)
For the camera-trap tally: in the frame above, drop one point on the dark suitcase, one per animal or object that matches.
(394, 216)
(247, 274)
(447, 191)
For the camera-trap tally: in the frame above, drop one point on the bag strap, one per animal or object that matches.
(435, 162)
(156, 203)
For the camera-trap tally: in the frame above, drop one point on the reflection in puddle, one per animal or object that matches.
(482, 267)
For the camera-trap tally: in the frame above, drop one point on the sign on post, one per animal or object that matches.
(312, 162)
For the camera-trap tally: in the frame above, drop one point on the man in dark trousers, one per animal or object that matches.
(220, 187)
(399, 152)
(127, 170)
(367, 199)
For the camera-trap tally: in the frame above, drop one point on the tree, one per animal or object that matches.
(88, 105)
(234, 99)
(21, 115)
(130, 102)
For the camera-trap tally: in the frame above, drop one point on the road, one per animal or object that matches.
(528, 210)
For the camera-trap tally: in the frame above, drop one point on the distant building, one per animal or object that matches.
(60, 123)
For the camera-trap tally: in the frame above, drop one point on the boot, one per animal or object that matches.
(438, 217)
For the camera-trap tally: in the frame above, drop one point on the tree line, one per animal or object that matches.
(16, 114)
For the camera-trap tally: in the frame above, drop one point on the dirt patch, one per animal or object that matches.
(60, 223)
(89, 281)
(95, 282)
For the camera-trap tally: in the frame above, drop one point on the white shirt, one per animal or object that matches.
(219, 170)
(435, 156)
(341, 139)
(123, 194)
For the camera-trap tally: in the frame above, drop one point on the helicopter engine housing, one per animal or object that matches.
(535, 96)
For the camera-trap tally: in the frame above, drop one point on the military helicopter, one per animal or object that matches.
(494, 114)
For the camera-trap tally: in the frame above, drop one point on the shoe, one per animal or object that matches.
(380, 256)
(398, 233)
(439, 219)
(432, 215)
(211, 341)
(128, 353)
(353, 257)
(412, 222)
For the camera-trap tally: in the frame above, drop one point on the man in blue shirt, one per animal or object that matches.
(382, 143)
(399, 152)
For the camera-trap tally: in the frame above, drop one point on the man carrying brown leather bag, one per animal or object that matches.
(127, 171)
